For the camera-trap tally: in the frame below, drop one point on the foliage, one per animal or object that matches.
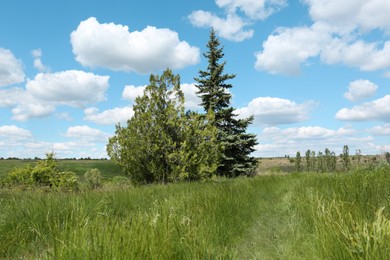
(345, 158)
(44, 173)
(93, 178)
(298, 160)
(213, 90)
(162, 143)
(322, 162)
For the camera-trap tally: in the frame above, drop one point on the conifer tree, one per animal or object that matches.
(232, 132)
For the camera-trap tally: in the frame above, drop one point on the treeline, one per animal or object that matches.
(328, 161)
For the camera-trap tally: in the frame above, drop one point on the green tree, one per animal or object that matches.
(161, 143)
(308, 161)
(345, 158)
(298, 160)
(232, 132)
(320, 162)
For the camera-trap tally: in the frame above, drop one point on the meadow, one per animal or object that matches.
(271, 216)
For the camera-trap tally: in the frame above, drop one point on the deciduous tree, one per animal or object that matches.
(161, 143)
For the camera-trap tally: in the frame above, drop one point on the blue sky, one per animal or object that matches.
(314, 73)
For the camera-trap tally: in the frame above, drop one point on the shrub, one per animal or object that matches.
(65, 181)
(93, 178)
(21, 176)
(45, 173)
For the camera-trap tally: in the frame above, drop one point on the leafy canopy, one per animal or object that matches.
(162, 143)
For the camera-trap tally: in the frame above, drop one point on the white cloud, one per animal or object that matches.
(337, 36)
(278, 142)
(112, 46)
(285, 51)
(49, 90)
(378, 109)
(380, 130)
(275, 111)
(72, 87)
(11, 69)
(231, 27)
(110, 116)
(192, 101)
(12, 132)
(25, 111)
(363, 14)
(70, 149)
(37, 54)
(360, 89)
(254, 9)
(87, 134)
(305, 132)
(131, 92)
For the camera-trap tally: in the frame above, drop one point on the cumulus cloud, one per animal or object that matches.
(37, 54)
(113, 46)
(278, 142)
(131, 92)
(110, 116)
(285, 51)
(48, 90)
(378, 109)
(254, 9)
(275, 111)
(11, 69)
(25, 111)
(305, 132)
(87, 134)
(380, 130)
(233, 27)
(12, 132)
(360, 89)
(336, 37)
(72, 87)
(364, 14)
(192, 100)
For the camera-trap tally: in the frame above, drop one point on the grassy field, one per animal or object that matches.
(294, 216)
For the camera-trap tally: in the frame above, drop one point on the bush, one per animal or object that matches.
(65, 181)
(93, 178)
(21, 176)
(45, 174)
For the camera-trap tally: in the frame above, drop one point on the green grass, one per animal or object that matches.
(294, 216)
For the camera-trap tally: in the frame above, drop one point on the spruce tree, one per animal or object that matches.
(213, 90)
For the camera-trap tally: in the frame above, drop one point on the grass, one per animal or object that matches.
(293, 216)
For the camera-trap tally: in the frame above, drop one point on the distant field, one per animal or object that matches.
(107, 168)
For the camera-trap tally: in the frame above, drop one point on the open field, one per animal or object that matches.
(294, 216)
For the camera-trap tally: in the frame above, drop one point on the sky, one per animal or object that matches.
(315, 74)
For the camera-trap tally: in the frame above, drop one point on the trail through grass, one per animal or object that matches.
(295, 216)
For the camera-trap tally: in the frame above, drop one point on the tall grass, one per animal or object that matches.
(347, 215)
(294, 216)
(191, 220)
